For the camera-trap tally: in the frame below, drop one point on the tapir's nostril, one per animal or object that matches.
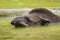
(12, 23)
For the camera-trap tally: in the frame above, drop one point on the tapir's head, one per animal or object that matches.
(24, 21)
(19, 22)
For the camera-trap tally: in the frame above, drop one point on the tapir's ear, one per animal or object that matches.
(28, 19)
(44, 21)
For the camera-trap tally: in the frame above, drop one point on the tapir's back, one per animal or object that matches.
(46, 13)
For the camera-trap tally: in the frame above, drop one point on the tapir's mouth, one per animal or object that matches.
(21, 24)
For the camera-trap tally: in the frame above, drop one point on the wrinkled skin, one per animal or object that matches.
(39, 16)
(26, 21)
(19, 21)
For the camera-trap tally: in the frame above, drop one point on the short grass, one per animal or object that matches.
(9, 32)
(30, 3)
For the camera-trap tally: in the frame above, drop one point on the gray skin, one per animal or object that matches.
(39, 16)
(19, 22)
(29, 20)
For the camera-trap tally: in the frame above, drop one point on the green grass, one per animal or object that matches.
(30, 3)
(9, 32)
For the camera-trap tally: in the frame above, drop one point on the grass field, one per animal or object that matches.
(30, 3)
(9, 32)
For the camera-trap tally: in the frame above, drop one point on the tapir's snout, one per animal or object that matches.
(13, 23)
(18, 24)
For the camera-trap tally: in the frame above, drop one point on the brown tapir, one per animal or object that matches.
(38, 16)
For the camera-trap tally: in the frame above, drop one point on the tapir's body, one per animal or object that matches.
(39, 16)
(44, 13)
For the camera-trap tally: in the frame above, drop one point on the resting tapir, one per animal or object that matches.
(38, 16)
